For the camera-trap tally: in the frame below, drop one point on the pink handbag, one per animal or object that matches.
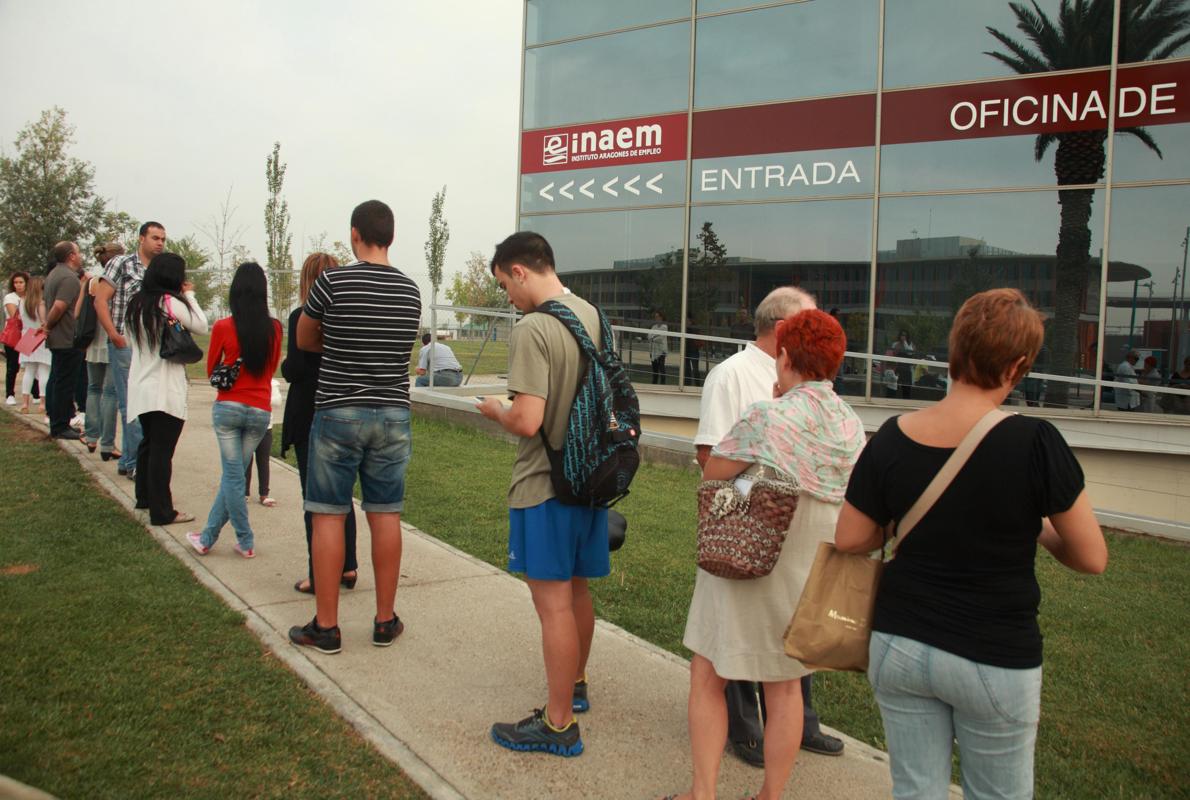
(33, 339)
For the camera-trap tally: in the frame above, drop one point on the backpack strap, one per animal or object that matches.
(565, 315)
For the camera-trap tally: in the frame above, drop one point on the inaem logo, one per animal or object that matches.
(556, 150)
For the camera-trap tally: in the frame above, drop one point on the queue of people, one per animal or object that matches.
(955, 650)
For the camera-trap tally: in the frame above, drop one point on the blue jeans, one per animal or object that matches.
(238, 429)
(929, 697)
(442, 377)
(101, 406)
(374, 442)
(119, 362)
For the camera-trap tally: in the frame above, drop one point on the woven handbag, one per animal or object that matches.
(740, 535)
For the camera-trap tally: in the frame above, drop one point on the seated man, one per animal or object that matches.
(438, 359)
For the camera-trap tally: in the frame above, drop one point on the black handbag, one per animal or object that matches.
(224, 376)
(177, 345)
(84, 326)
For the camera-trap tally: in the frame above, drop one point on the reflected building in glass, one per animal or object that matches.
(893, 158)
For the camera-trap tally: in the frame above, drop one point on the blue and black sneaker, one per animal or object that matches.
(534, 733)
(580, 704)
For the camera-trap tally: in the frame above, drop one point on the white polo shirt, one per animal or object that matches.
(741, 380)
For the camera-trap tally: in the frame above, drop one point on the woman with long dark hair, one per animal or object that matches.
(12, 302)
(301, 369)
(251, 340)
(157, 389)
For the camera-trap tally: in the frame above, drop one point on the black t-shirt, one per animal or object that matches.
(963, 581)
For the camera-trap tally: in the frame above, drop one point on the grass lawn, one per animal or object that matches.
(123, 677)
(1115, 703)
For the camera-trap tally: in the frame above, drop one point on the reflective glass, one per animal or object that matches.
(1145, 37)
(785, 52)
(782, 176)
(629, 263)
(943, 41)
(711, 6)
(1149, 228)
(604, 187)
(547, 20)
(1136, 161)
(609, 77)
(935, 252)
(739, 253)
(991, 163)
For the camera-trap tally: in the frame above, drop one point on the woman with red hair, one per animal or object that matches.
(956, 650)
(735, 627)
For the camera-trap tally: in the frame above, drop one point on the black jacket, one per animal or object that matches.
(300, 369)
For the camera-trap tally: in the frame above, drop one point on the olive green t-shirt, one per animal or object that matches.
(544, 360)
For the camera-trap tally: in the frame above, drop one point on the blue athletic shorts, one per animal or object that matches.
(556, 542)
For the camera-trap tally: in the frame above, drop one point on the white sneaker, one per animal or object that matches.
(78, 421)
(11, 401)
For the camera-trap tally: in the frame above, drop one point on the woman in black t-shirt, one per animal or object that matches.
(956, 650)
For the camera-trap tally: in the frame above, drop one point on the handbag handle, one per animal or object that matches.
(950, 469)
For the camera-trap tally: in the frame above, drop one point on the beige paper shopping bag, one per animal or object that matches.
(833, 620)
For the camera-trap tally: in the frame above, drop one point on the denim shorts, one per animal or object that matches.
(373, 442)
(552, 541)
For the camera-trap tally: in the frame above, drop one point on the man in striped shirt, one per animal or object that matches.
(363, 318)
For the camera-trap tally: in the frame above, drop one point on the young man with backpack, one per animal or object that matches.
(559, 546)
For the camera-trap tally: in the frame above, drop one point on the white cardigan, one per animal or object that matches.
(155, 384)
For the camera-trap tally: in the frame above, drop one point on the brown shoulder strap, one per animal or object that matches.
(949, 470)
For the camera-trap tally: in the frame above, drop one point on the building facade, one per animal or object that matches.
(892, 157)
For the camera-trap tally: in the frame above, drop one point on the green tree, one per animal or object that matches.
(341, 252)
(436, 243)
(708, 274)
(475, 287)
(279, 239)
(199, 269)
(46, 195)
(1081, 37)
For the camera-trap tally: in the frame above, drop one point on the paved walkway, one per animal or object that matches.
(470, 655)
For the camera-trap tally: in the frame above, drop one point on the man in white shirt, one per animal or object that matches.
(743, 379)
(439, 359)
(1127, 399)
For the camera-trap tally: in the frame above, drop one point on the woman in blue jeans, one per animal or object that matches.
(248, 341)
(955, 652)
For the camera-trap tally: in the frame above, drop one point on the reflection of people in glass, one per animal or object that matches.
(658, 346)
(693, 353)
(1127, 399)
(904, 348)
(1035, 387)
(955, 650)
(1150, 376)
(1180, 380)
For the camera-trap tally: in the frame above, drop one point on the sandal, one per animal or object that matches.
(297, 587)
(267, 501)
(181, 516)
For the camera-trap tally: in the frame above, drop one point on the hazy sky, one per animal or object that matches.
(174, 103)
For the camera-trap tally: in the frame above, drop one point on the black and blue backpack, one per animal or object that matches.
(599, 455)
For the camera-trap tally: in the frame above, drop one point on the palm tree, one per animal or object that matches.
(1080, 37)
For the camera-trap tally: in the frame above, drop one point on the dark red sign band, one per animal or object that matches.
(604, 144)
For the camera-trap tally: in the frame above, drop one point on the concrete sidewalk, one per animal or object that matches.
(470, 656)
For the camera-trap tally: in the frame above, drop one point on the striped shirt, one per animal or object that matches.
(125, 274)
(370, 315)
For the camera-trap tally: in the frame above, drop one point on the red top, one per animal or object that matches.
(251, 390)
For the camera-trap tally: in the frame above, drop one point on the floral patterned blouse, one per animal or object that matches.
(808, 433)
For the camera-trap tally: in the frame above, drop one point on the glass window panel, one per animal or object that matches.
(1135, 161)
(609, 77)
(547, 20)
(1149, 227)
(632, 260)
(941, 41)
(1144, 39)
(739, 253)
(970, 243)
(786, 52)
(991, 163)
(711, 6)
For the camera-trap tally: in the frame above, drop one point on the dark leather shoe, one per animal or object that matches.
(67, 434)
(750, 752)
(823, 745)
